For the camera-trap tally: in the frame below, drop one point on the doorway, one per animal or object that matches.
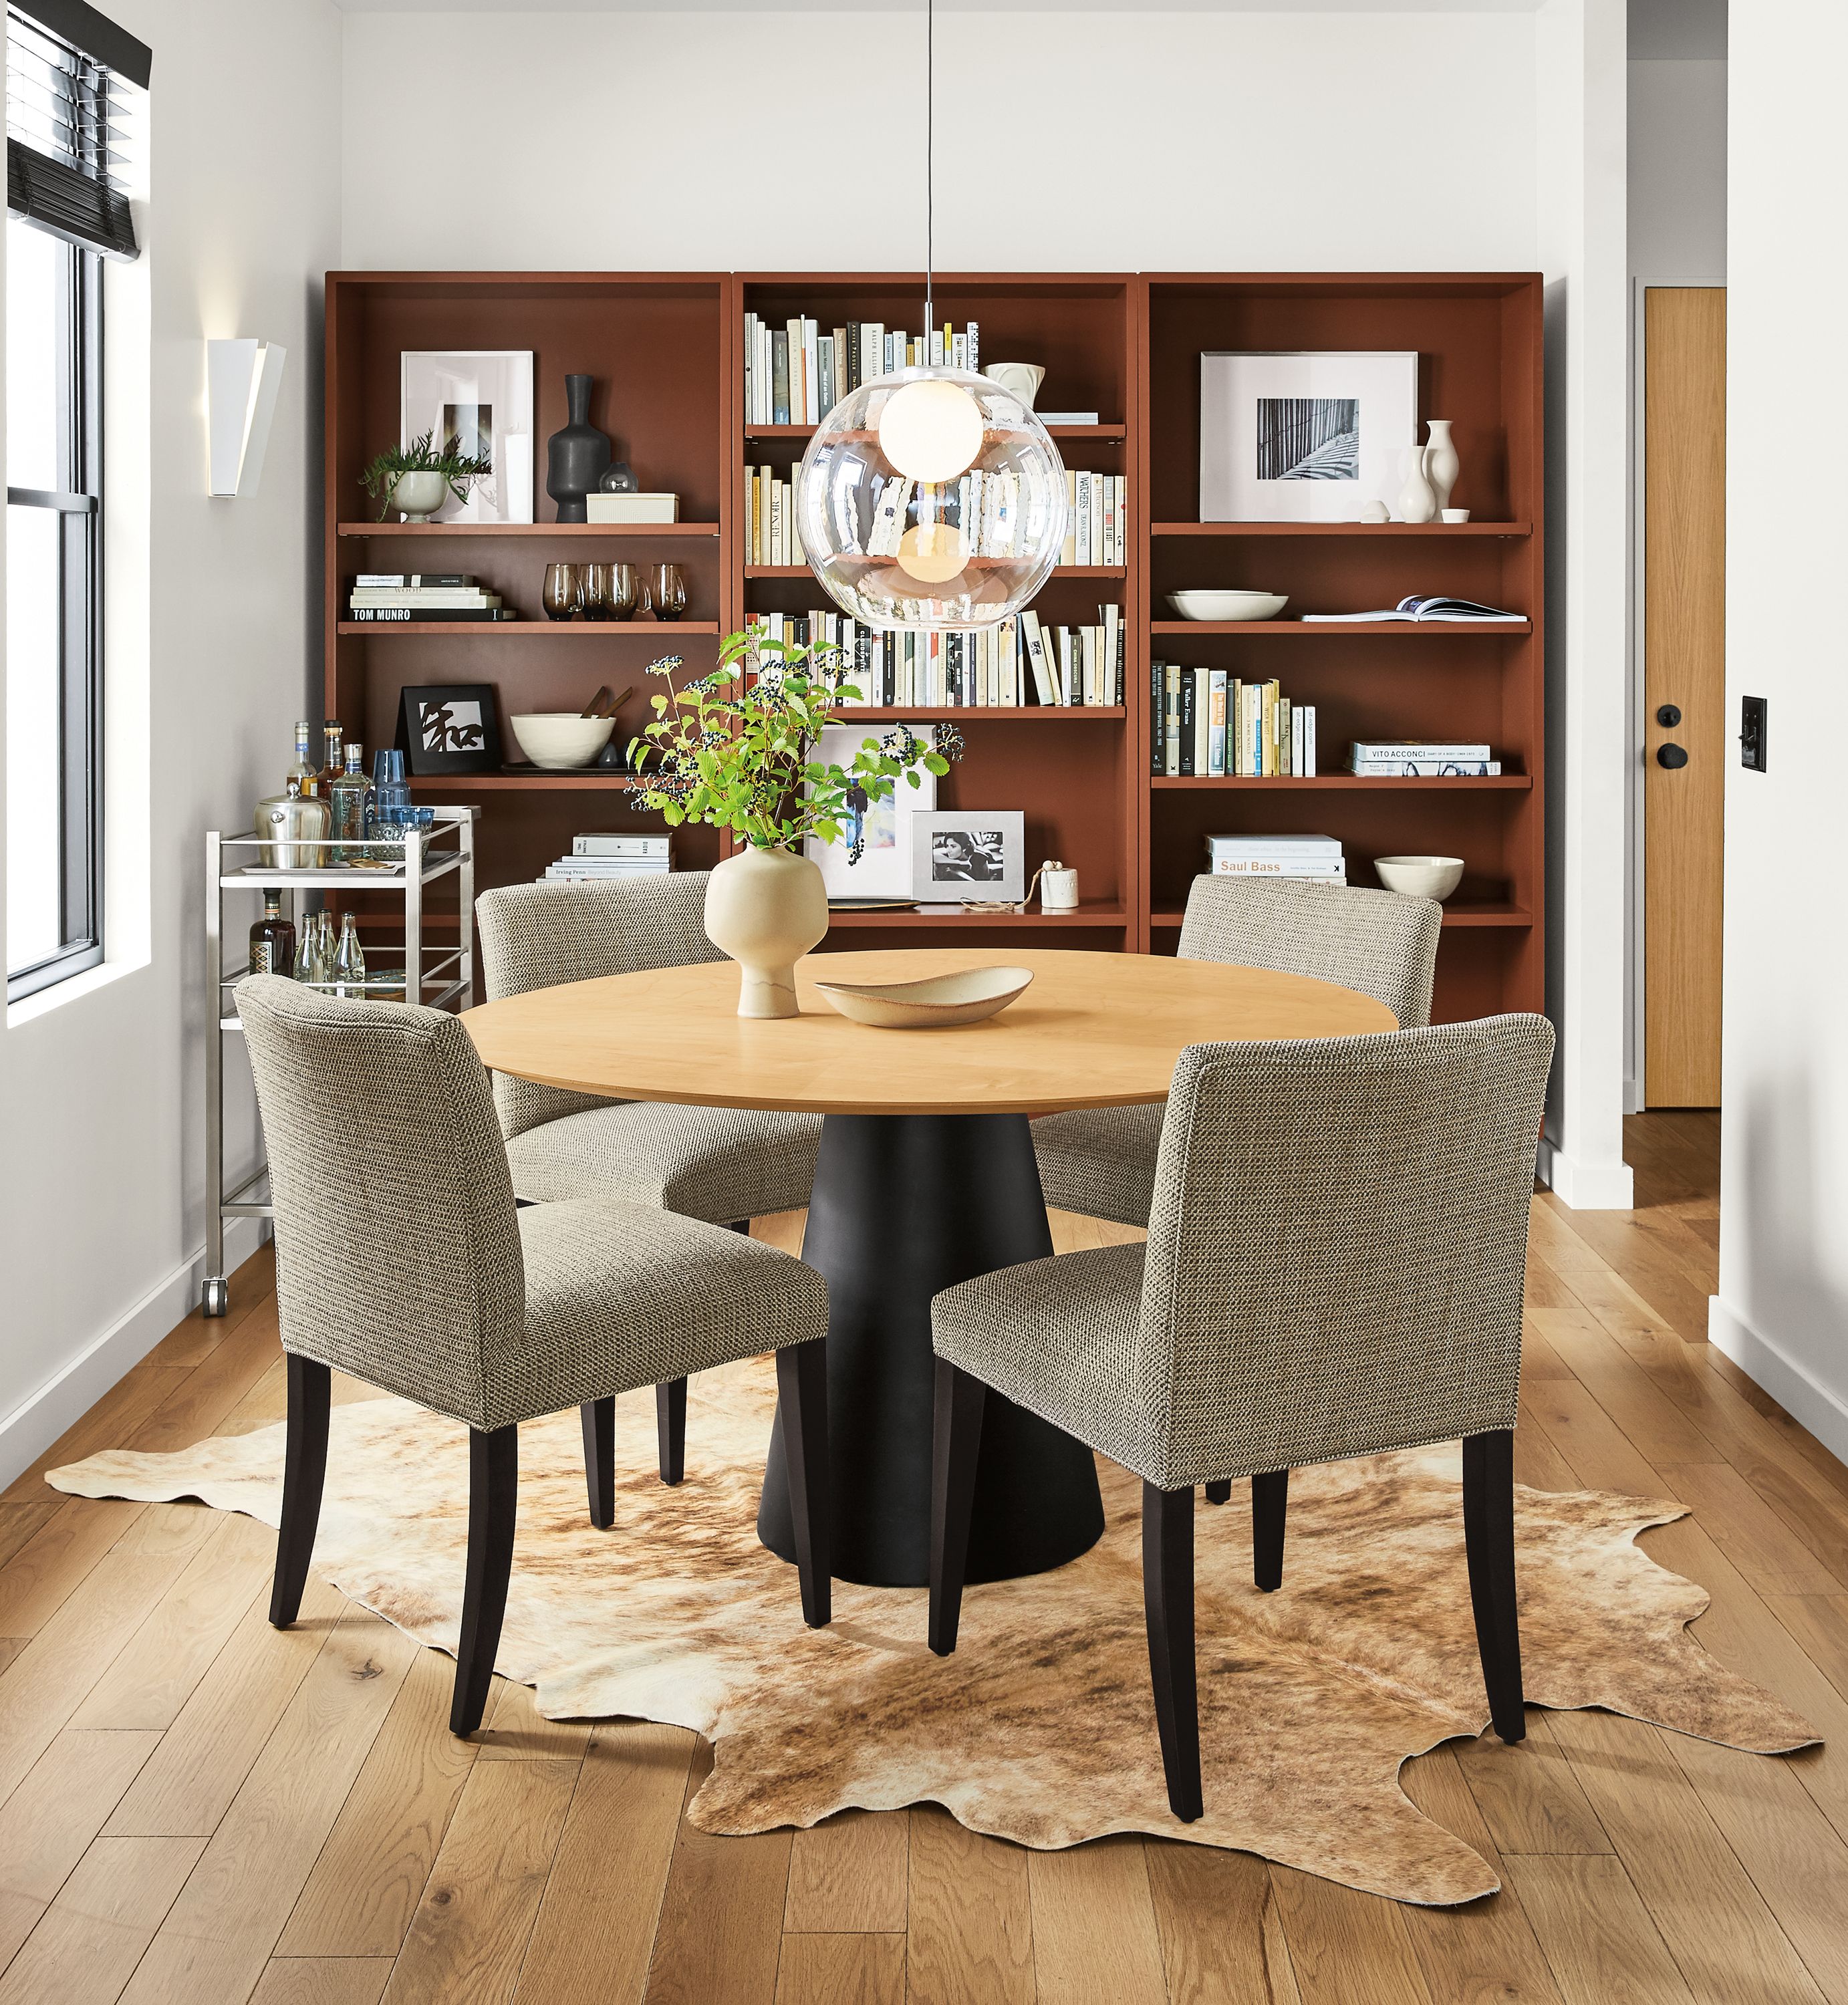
(1684, 742)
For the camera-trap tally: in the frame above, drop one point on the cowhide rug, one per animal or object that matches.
(1040, 1728)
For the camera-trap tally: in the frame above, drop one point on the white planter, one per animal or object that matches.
(417, 496)
(766, 908)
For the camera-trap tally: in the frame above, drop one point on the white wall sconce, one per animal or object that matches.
(243, 379)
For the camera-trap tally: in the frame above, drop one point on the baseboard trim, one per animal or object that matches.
(1803, 1396)
(1585, 1186)
(37, 1422)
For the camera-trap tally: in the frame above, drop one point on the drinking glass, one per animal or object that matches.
(563, 590)
(598, 599)
(669, 591)
(626, 591)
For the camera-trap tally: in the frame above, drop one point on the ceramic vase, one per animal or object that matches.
(576, 457)
(1416, 502)
(765, 908)
(1440, 461)
(417, 496)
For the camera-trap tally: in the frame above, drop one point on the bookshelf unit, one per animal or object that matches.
(666, 351)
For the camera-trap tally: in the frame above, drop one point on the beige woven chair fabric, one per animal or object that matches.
(1336, 1258)
(1102, 1162)
(717, 1164)
(400, 1257)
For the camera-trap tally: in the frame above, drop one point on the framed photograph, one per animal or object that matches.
(873, 858)
(482, 399)
(969, 853)
(1304, 436)
(450, 728)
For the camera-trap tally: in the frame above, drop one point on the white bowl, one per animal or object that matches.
(1420, 876)
(560, 741)
(1228, 605)
(936, 1004)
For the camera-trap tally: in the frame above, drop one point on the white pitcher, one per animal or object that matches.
(1416, 501)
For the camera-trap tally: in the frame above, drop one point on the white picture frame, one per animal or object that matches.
(882, 868)
(959, 854)
(1304, 435)
(475, 393)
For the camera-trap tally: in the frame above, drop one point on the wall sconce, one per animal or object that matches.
(243, 379)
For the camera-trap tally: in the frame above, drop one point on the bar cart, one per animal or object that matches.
(441, 977)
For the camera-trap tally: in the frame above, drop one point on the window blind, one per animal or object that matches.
(75, 86)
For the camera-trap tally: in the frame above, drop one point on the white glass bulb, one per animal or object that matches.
(932, 552)
(931, 429)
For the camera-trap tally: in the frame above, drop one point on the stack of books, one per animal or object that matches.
(1021, 663)
(1316, 858)
(387, 597)
(986, 506)
(1208, 722)
(795, 374)
(1097, 523)
(1421, 759)
(605, 856)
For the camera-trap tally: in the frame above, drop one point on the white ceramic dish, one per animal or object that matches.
(936, 1004)
(561, 743)
(1228, 605)
(1420, 876)
(1454, 514)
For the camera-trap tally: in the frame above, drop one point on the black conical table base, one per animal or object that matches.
(906, 1205)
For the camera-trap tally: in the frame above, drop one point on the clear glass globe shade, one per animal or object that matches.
(903, 550)
(931, 430)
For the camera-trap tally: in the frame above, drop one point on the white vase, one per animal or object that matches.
(417, 496)
(766, 908)
(1417, 502)
(1440, 461)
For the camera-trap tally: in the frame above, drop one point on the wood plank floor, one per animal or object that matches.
(196, 1808)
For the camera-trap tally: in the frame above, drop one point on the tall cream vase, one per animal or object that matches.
(766, 908)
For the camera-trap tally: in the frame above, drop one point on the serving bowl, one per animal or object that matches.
(1420, 876)
(560, 741)
(938, 1003)
(1228, 605)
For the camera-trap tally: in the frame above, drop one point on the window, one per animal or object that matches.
(72, 81)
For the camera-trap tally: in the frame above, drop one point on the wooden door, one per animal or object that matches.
(1684, 671)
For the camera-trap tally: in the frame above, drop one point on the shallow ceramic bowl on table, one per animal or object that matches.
(939, 1002)
(560, 741)
(1420, 876)
(1228, 605)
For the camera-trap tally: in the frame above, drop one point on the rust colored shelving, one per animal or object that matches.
(1454, 915)
(607, 629)
(975, 563)
(1074, 432)
(585, 779)
(493, 531)
(1386, 530)
(1353, 782)
(1363, 629)
(908, 915)
(1032, 713)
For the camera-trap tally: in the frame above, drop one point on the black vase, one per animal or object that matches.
(576, 457)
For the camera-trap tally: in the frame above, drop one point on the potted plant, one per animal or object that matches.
(735, 749)
(414, 479)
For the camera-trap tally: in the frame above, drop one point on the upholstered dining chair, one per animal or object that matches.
(1100, 1161)
(401, 1258)
(1334, 1268)
(726, 1165)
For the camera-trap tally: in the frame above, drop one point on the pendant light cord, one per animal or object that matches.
(929, 170)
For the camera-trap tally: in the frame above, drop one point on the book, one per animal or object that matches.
(1170, 718)
(1242, 844)
(1066, 417)
(1418, 748)
(1426, 769)
(412, 580)
(391, 616)
(1043, 685)
(621, 845)
(1157, 714)
(1328, 870)
(436, 595)
(1426, 607)
(1216, 698)
(603, 869)
(1187, 726)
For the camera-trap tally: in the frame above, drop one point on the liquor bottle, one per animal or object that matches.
(304, 769)
(350, 960)
(332, 765)
(272, 940)
(351, 801)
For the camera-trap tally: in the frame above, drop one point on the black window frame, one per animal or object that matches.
(79, 504)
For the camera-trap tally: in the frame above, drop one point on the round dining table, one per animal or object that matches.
(926, 1178)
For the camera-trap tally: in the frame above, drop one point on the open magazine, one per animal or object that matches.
(1419, 607)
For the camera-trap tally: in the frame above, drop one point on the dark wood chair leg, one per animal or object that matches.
(802, 1387)
(955, 1442)
(741, 1225)
(598, 1417)
(1220, 1493)
(1167, 1604)
(493, 1486)
(670, 1427)
(304, 1468)
(1488, 1538)
(1269, 1503)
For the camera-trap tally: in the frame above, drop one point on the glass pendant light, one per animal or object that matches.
(931, 497)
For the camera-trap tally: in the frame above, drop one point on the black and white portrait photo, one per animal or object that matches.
(967, 856)
(976, 853)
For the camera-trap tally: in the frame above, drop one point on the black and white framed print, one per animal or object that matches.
(873, 858)
(969, 853)
(450, 728)
(1304, 436)
(481, 401)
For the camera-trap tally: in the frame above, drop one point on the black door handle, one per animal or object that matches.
(1672, 756)
(1669, 716)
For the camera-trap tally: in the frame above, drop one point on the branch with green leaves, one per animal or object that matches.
(735, 749)
(460, 469)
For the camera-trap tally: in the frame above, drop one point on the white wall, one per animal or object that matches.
(1137, 141)
(1782, 1310)
(101, 1183)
